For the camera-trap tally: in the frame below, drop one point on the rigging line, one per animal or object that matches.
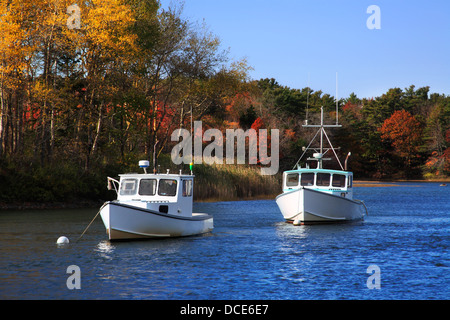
(332, 148)
(306, 149)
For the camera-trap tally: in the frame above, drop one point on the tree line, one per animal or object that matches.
(402, 134)
(85, 99)
(116, 84)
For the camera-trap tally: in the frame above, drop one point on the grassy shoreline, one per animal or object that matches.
(213, 183)
(393, 183)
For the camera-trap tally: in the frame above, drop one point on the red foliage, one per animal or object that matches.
(350, 107)
(446, 154)
(404, 132)
(353, 110)
(240, 102)
(31, 115)
(264, 141)
(258, 124)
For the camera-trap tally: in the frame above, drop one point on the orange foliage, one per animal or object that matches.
(258, 124)
(353, 109)
(404, 132)
(290, 134)
(446, 154)
(31, 115)
(240, 102)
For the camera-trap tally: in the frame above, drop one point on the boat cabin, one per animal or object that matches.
(164, 193)
(330, 181)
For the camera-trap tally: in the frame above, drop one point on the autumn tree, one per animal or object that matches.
(15, 52)
(106, 49)
(446, 154)
(404, 132)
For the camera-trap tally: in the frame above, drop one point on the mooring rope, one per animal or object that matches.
(90, 223)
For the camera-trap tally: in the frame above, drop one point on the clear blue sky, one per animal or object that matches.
(293, 41)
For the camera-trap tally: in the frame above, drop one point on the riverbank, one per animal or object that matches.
(233, 182)
(217, 192)
(80, 204)
(66, 188)
(395, 183)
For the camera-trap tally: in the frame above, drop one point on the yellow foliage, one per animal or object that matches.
(105, 30)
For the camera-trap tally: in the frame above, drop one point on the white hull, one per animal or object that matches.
(306, 206)
(123, 221)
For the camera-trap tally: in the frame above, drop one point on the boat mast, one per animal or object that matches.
(321, 133)
(318, 156)
(337, 101)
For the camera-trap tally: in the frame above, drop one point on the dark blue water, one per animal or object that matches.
(251, 254)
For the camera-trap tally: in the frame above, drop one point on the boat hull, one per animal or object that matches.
(306, 206)
(123, 221)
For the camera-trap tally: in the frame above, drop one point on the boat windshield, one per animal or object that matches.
(167, 187)
(323, 179)
(319, 179)
(292, 180)
(147, 187)
(307, 179)
(338, 180)
(128, 187)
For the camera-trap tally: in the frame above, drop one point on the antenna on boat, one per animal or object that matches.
(192, 130)
(337, 101)
(307, 102)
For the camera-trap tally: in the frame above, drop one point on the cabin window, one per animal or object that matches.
(292, 180)
(187, 188)
(147, 187)
(128, 187)
(307, 179)
(349, 181)
(167, 187)
(338, 180)
(323, 179)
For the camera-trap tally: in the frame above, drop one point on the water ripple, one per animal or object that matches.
(252, 254)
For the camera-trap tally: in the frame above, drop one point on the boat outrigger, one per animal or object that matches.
(153, 206)
(318, 195)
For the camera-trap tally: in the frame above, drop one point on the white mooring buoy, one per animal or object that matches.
(62, 240)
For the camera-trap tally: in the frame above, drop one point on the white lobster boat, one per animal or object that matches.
(153, 206)
(319, 195)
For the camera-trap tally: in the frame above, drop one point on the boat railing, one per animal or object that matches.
(113, 184)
